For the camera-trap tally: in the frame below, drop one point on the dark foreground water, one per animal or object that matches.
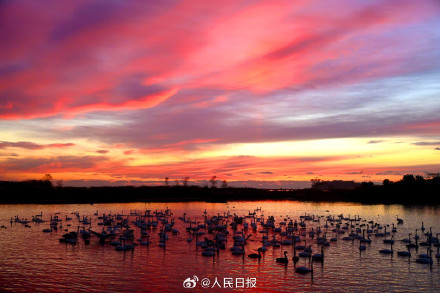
(33, 261)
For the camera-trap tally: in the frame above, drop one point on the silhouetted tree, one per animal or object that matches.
(435, 180)
(386, 182)
(408, 178)
(315, 182)
(213, 181)
(432, 175)
(47, 177)
(185, 181)
(60, 183)
(166, 181)
(368, 184)
(46, 181)
(420, 179)
(224, 184)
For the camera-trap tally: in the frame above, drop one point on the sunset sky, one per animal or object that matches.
(258, 93)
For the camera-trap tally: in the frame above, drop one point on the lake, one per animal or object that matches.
(35, 261)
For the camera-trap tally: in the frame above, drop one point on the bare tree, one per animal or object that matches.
(315, 182)
(213, 181)
(47, 177)
(185, 181)
(60, 183)
(432, 175)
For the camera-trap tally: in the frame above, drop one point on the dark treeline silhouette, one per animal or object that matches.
(409, 190)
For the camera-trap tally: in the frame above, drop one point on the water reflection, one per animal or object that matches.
(35, 261)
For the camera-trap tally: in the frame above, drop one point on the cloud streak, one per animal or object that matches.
(33, 146)
(53, 164)
(425, 143)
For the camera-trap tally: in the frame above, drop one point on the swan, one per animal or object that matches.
(238, 250)
(423, 255)
(391, 241)
(319, 256)
(404, 253)
(304, 270)
(263, 248)
(308, 249)
(427, 260)
(363, 240)
(407, 240)
(255, 255)
(435, 239)
(115, 243)
(429, 234)
(208, 253)
(387, 251)
(295, 258)
(424, 260)
(301, 247)
(283, 259)
(413, 245)
(235, 248)
(304, 254)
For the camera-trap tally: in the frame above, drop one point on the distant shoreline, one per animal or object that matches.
(42, 192)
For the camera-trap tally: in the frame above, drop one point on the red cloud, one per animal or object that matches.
(60, 145)
(142, 103)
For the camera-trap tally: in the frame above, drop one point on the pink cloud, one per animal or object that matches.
(212, 102)
(60, 145)
(82, 52)
(32, 146)
(61, 164)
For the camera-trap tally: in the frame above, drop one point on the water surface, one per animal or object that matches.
(33, 261)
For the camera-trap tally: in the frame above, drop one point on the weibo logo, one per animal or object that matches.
(190, 283)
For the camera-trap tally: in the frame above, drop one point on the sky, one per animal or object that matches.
(257, 93)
